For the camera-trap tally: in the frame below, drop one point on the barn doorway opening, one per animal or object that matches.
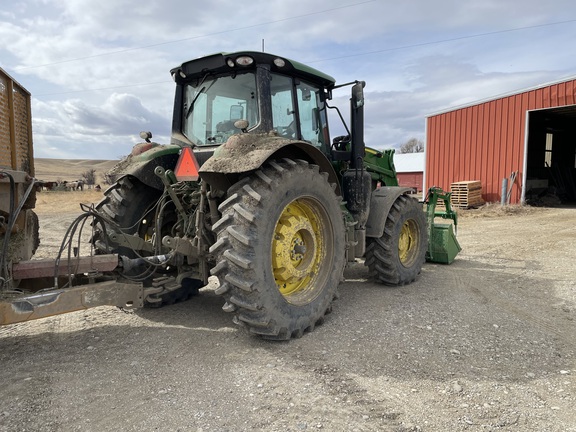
(551, 157)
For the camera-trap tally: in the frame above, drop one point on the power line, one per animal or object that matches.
(445, 40)
(105, 88)
(194, 37)
(477, 35)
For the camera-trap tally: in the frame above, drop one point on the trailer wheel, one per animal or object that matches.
(280, 249)
(397, 257)
(131, 205)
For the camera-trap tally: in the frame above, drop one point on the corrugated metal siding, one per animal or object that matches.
(486, 141)
(5, 128)
(15, 126)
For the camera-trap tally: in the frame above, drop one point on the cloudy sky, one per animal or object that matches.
(98, 70)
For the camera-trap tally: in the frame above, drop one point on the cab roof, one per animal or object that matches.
(225, 62)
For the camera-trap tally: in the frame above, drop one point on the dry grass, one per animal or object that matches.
(70, 169)
(497, 210)
(55, 202)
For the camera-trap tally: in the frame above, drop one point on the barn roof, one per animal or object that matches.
(502, 95)
(409, 162)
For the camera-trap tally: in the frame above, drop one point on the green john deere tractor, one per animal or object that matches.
(253, 190)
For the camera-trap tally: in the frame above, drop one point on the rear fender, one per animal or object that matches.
(381, 202)
(142, 161)
(244, 153)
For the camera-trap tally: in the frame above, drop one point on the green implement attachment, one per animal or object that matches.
(442, 244)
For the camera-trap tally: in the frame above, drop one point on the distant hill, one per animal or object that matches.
(70, 169)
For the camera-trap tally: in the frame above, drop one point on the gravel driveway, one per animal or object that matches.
(487, 343)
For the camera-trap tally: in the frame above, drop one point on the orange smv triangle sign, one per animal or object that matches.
(187, 166)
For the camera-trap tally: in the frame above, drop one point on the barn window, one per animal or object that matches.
(548, 152)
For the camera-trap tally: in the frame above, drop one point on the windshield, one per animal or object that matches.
(212, 105)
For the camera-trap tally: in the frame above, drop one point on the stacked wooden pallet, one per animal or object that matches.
(466, 194)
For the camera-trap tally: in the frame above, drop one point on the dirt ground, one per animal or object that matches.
(487, 343)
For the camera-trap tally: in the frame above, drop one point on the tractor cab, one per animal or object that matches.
(226, 94)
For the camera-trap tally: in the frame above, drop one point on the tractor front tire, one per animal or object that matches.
(397, 257)
(280, 249)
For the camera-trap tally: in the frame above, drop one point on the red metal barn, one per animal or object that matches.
(410, 170)
(532, 132)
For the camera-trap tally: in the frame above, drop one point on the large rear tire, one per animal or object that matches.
(397, 257)
(130, 204)
(280, 249)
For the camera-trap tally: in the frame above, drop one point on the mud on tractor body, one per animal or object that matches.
(252, 190)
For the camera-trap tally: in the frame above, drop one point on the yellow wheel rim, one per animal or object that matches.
(408, 243)
(298, 250)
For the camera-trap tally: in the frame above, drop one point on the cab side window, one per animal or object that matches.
(313, 126)
(313, 122)
(283, 113)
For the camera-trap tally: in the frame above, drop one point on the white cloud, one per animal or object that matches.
(417, 57)
(110, 129)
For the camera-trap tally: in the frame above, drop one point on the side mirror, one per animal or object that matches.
(145, 135)
(242, 125)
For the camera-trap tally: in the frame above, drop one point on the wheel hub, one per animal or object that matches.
(408, 243)
(297, 248)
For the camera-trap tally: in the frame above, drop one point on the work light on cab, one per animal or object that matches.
(279, 62)
(244, 61)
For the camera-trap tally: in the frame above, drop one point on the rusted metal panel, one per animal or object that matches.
(5, 121)
(15, 126)
(110, 293)
(78, 265)
(486, 141)
(17, 164)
